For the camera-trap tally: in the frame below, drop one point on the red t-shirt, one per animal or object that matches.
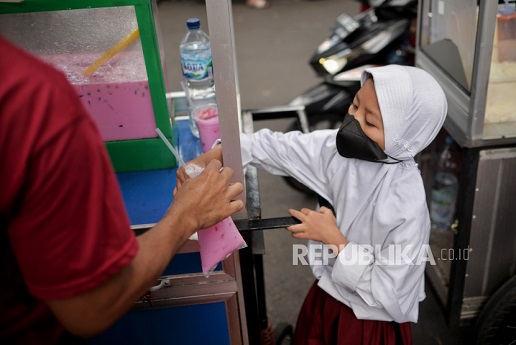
(63, 225)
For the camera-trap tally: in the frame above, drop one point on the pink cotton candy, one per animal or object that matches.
(217, 243)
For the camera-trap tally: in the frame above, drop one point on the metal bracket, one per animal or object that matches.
(281, 112)
(265, 224)
(163, 283)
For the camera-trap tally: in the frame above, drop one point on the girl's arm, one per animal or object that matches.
(303, 156)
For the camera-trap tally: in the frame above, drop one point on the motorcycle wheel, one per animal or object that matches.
(315, 122)
(496, 323)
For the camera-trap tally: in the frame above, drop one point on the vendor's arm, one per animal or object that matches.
(63, 214)
(199, 203)
(71, 235)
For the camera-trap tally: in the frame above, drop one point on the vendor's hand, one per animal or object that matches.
(182, 176)
(207, 199)
(318, 226)
(201, 161)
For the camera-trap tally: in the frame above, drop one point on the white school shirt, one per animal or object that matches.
(378, 206)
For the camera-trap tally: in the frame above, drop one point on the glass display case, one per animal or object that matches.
(110, 52)
(74, 35)
(470, 47)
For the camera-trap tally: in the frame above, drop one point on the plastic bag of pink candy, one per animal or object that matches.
(219, 241)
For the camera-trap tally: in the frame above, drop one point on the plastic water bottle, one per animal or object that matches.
(445, 188)
(197, 67)
(196, 62)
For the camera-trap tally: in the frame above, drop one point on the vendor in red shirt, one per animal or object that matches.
(68, 258)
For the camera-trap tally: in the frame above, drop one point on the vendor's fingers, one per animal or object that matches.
(226, 172)
(234, 190)
(213, 165)
(181, 175)
(236, 205)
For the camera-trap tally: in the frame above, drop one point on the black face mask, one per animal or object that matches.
(352, 142)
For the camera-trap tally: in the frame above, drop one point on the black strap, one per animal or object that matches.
(323, 202)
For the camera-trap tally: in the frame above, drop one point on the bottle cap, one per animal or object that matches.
(507, 9)
(193, 23)
(449, 140)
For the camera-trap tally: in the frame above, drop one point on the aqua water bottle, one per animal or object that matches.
(197, 67)
(196, 62)
(445, 188)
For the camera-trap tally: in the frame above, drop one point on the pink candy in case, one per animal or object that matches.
(121, 110)
(117, 95)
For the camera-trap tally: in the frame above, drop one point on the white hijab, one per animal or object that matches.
(413, 108)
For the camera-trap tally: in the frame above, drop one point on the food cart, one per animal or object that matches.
(107, 47)
(469, 46)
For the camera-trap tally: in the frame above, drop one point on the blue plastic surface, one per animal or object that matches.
(148, 194)
(190, 146)
(193, 324)
(186, 263)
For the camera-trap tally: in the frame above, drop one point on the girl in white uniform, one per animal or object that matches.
(369, 284)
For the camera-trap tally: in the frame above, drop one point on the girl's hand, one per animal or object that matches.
(318, 226)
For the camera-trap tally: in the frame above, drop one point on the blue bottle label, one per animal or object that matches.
(197, 69)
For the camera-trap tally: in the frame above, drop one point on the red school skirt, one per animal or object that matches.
(325, 321)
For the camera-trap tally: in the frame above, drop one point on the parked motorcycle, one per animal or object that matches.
(384, 34)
